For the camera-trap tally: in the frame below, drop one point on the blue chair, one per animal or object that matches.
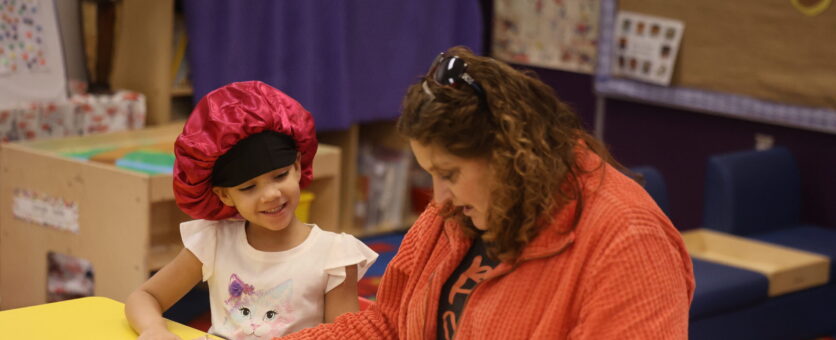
(752, 191)
(654, 184)
(757, 194)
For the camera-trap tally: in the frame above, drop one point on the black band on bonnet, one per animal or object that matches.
(253, 156)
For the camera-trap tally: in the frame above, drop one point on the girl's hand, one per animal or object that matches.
(158, 334)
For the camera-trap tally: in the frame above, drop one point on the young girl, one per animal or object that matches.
(243, 155)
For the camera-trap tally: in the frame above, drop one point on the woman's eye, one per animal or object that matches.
(447, 176)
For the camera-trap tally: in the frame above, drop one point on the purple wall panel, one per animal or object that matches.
(679, 142)
(573, 88)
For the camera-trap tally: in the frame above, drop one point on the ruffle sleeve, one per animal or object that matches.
(346, 250)
(200, 237)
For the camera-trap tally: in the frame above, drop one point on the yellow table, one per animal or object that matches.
(87, 318)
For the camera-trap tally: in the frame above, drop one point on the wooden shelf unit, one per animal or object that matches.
(182, 91)
(378, 133)
(143, 55)
(128, 220)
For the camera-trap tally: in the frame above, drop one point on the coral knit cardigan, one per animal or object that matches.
(623, 273)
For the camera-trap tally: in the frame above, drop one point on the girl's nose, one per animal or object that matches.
(271, 193)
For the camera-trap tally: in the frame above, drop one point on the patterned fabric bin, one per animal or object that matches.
(81, 114)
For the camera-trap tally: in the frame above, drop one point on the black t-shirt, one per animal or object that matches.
(454, 294)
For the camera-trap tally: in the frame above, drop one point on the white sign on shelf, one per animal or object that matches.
(44, 210)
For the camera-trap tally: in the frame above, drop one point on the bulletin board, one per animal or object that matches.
(762, 61)
(766, 49)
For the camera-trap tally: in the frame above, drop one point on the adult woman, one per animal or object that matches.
(532, 233)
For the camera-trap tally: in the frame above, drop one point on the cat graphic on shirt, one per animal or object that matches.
(258, 314)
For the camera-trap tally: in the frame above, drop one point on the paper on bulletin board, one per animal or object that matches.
(44, 210)
(764, 49)
(552, 34)
(31, 59)
(646, 47)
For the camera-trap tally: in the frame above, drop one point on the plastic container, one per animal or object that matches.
(303, 210)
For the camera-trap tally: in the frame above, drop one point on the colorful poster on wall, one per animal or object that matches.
(560, 34)
(646, 47)
(31, 60)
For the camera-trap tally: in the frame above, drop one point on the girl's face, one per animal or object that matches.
(465, 182)
(269, 200)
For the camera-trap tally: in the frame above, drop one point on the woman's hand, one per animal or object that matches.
(158, 334)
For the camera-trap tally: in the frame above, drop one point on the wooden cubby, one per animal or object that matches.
(143, 53)
(379, 133)
(128, 221)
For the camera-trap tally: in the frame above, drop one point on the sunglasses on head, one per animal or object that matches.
(450, 70)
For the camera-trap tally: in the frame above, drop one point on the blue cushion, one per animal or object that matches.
(752, 191)
(805, 314)
(810, 238)
(721, 288)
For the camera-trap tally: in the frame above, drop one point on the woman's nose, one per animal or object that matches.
(441, 191)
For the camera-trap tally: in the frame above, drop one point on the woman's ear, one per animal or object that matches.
(223, 195)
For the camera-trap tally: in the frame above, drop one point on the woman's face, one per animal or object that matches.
(464, 181)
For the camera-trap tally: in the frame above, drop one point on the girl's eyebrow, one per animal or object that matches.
(287, 168)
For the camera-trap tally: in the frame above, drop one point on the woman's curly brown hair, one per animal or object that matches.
(528, 136)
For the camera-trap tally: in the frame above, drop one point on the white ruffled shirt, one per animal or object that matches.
(258, 295)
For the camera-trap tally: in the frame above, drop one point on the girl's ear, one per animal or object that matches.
(297, 167)
(223, 195)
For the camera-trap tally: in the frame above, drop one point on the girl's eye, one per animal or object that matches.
(282, 175)
(247, 188)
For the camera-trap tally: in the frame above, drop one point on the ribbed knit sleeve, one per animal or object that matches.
(381, 320)
(634, 290)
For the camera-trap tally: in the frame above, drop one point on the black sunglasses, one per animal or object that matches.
(450, 70)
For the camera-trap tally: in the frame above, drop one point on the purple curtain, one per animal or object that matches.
(346, 61)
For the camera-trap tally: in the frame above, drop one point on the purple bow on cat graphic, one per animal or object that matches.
(237, 287)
